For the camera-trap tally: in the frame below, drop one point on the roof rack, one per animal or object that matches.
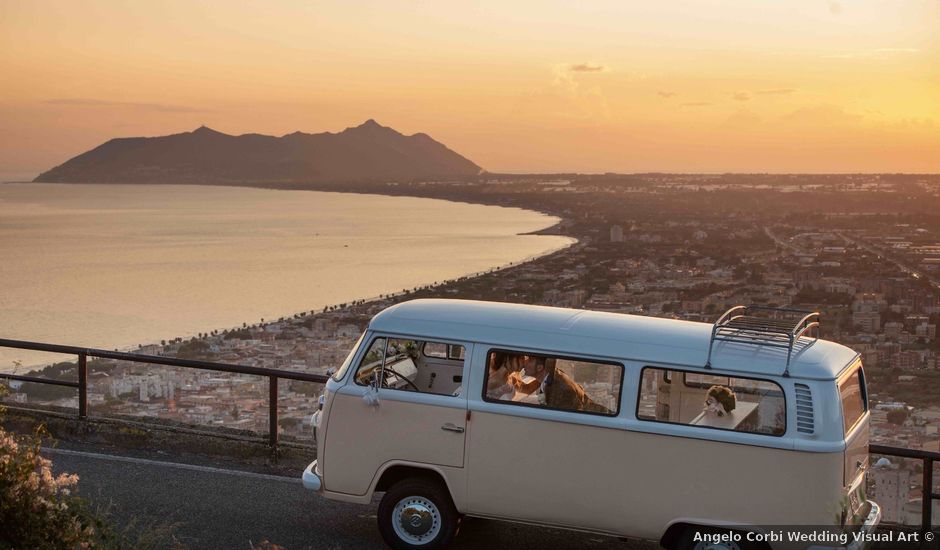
(782, 328)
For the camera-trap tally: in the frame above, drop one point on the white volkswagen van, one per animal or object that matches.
(679, 432)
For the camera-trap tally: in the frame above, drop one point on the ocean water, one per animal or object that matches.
(114, 266)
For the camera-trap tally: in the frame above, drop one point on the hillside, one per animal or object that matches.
(368, 152)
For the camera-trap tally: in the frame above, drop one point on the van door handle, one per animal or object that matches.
(451, 428)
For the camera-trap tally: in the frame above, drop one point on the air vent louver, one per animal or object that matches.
(805, 422)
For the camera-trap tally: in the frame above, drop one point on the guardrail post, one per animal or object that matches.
(82, 386)
(928, 493)
(272, 412)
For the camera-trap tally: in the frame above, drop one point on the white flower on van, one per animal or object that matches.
(371, 396)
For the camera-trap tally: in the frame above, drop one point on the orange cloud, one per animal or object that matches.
(587, 68)
(776, 91)
(158, 107)
(822, 115)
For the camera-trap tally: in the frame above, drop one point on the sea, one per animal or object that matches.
(118, 266)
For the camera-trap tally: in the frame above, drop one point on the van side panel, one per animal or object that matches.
(637, 484)
(404, 426)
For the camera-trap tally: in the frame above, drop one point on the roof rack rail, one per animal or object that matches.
(782, 328)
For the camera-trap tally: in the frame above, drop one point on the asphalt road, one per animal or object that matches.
(207, 507)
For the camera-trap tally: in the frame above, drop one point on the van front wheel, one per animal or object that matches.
(704, 538)
(417, 513)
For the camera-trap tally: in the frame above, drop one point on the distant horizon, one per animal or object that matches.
(30, 178)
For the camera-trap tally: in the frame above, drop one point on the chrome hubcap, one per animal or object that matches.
(416, 520)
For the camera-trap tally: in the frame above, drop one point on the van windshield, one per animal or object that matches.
(338, 375)
(854, 398)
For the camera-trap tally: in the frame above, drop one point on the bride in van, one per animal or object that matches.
(537, 380)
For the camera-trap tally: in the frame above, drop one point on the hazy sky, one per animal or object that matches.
(619, 85)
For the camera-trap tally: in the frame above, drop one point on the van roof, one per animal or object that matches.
(578, 332)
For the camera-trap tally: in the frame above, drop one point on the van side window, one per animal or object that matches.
(559, 383)
(443, 351)
(712, 401)
(854, 400)
(407, 367)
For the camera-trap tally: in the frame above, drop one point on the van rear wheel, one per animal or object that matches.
(417, 513)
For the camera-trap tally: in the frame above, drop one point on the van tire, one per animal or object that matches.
(432, 501)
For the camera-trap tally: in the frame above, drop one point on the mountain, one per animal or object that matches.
(369, 151)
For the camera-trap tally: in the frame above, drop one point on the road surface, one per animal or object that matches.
(223, 508)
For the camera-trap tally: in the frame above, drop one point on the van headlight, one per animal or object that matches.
(314, 424)
(315, 418)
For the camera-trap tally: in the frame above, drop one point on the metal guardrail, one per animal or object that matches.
(273, 375)
(927, 458)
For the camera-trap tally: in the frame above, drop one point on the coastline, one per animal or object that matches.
(396, 297)
(358, 303)
(553, 230)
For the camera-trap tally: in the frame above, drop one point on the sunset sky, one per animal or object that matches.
(519, 86)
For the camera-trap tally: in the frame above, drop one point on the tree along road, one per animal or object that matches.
(219, 508)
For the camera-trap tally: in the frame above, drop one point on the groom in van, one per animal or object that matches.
(556, 389)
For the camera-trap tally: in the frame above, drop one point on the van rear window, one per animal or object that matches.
(712, 401)
(854, 400)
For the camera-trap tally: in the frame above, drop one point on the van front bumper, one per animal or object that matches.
(868, 526)
(310, 478)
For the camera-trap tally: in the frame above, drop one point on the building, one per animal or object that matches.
(868, 302)
(616, 234)
(867, 321)
(893, 329)
(926, 331)
(892, 490)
